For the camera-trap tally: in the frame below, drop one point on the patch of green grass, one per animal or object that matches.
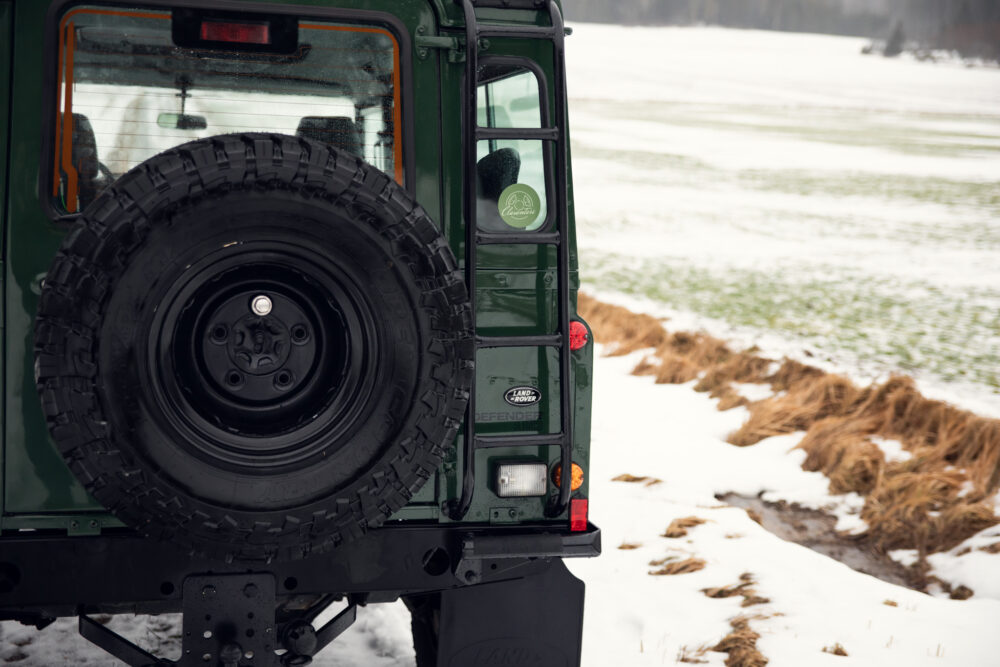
(953, 334)
(897, 187)
(843, 127)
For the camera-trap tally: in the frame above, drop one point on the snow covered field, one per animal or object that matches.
(784, 184)
(783, 190)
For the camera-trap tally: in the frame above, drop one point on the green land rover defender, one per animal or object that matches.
(289, 294)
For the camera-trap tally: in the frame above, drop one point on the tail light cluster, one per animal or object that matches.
(528, 480)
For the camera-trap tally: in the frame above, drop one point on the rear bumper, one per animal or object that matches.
(50, 576)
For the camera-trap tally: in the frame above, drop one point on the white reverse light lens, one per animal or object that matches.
(518, 480)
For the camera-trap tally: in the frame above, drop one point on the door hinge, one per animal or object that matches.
(455, 46)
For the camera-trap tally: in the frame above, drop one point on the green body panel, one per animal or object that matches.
(516, 284)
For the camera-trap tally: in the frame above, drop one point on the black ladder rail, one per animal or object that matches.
(552, 131)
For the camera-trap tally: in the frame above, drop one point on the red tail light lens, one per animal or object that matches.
(578, 515)
(240, 33)
(578, 335)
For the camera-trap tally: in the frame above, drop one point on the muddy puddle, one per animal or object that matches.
(817, 530)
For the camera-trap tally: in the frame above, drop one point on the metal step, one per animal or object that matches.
(493, 441)
(490, 342)
(518, 238)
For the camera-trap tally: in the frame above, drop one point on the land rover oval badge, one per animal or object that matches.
(523, 396)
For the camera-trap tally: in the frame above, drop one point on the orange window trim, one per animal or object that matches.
(64, 136)
(59, 107)
(72, 184)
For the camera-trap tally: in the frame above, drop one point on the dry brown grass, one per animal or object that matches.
(741, 645)
(745, 589)
(685, 566)
(803, 405)
(841, 450)
(692, 656)
(836, 649)
(678, 527)
(632, 479)
(961, 593)
(923, 511)
(619, 326)
(629, 546)
(931, 502)
(890, 603)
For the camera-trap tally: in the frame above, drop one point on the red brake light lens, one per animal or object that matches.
(578, 335)
(578, 515)
(241, 33)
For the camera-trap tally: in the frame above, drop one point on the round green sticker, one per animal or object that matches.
(520, 205)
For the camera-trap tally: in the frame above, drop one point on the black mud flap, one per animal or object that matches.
(536, 621)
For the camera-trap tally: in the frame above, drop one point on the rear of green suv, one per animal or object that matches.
(289, 308)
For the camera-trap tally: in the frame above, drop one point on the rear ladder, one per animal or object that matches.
(551, 132)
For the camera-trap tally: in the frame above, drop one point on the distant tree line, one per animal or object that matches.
(969, 25)
(927, 18)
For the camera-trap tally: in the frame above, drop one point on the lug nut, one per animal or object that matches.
(261, 305)
(282, 380)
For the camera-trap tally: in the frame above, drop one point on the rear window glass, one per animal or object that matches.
(127, 90)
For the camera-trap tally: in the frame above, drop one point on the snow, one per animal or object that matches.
(905, 557)
(965, 564)
(892, 450)
(753, 392)
(636, 619)
(379, 638)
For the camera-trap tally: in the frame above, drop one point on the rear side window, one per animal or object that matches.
(511, 184)
(133, 82)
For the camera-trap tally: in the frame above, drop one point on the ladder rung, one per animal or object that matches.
(488, 342)
(528, 32)
(491, 441)
(515, 134)
(522, 238)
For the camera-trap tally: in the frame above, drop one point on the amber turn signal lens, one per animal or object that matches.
(577, 480)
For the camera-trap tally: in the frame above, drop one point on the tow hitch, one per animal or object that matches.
(229, 621)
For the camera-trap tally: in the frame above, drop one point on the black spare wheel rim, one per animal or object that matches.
(254, 346)
(255, 353)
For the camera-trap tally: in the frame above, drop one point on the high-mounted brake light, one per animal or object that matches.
(578, 515)
(578, 335)
(241, 33)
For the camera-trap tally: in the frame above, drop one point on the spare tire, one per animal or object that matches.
(255, 346)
